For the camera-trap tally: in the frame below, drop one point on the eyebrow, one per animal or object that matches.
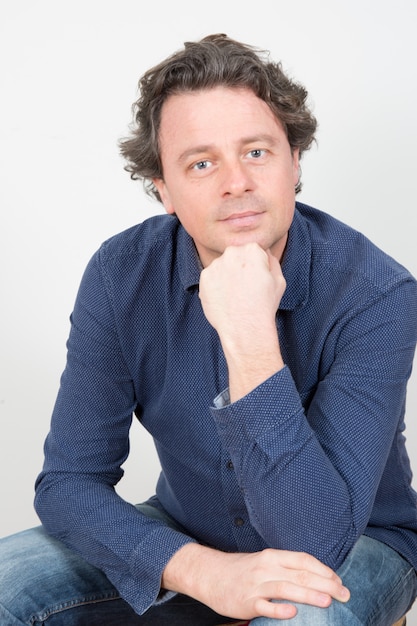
(194, 151)
(264, 138)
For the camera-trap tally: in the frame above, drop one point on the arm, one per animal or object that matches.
(240, 294)
(84, 451)
(213, 577)
(77, 502)
(310, 478)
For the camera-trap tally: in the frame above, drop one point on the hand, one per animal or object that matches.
(240, 293)
(242, 585)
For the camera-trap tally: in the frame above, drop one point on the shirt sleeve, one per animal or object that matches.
(310, 475)
(84, 450)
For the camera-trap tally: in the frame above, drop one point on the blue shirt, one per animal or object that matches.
(310, 460)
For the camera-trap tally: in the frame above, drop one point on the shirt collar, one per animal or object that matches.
(188, 260)
(296, 263)
(295, 266)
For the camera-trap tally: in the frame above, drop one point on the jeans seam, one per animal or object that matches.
(393, 591)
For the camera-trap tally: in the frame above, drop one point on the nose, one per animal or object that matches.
(235, 180)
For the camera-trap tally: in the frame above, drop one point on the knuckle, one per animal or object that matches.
(306, 560)
(302, 578)
(267, 556)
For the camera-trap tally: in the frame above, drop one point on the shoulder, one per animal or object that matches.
(141, 238)
(156, 255)
(347, 251)
(141, 255)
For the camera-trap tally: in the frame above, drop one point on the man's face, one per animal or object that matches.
(229, 173)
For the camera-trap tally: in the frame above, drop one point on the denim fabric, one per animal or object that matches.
(308, 461)
(382, 584)
(43, 582)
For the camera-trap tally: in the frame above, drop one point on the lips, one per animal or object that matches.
(246, 219)
(238, 216)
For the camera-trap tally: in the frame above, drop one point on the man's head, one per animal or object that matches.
(215, 61)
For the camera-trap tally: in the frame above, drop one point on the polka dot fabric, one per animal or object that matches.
(309, 460)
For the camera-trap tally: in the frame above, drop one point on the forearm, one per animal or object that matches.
(90, 518)
(281, 469)
(251, 363)
(295, 497)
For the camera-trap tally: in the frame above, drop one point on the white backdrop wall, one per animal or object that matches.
(68, 75)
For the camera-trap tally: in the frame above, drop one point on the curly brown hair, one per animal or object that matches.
(214, 61)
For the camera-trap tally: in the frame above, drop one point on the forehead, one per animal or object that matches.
(217, 113)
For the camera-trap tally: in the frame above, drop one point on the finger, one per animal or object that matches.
(275, 269)
(331, 586)
(305, 571)
(291, 592)
(272, 260)
(281, 610)
(301, 561)
(311, 590)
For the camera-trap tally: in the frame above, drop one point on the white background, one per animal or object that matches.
(68, 76)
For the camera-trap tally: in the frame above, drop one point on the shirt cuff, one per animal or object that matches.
(270, 404)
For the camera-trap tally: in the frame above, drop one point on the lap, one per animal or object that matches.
(42, 581)
(40, 578)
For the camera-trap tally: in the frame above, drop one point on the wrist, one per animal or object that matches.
(188, 571)
(251, 366)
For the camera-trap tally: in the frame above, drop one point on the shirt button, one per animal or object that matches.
(229, 465)
(239, 521)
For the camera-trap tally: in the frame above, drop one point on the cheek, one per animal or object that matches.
(187, 202)
(194, 220)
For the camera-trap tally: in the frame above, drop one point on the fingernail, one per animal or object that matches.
(345, 593)
(324, 600)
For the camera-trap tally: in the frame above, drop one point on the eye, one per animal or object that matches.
(201, 165)
(256, 153)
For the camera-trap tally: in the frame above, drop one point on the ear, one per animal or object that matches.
(164, 195)
(296, 164)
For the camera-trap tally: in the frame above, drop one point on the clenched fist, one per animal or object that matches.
(240, 293)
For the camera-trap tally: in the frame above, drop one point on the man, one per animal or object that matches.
(266, 347)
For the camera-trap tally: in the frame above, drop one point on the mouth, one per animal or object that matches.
(245, 219)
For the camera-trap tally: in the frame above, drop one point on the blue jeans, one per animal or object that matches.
(382, 586)
(44, 583)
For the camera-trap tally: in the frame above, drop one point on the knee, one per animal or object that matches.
(20, 566)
